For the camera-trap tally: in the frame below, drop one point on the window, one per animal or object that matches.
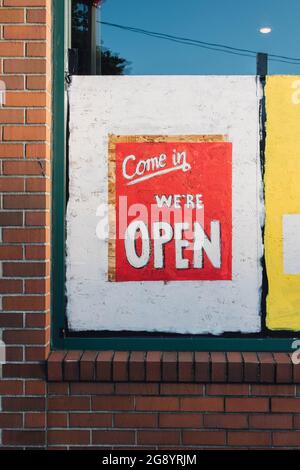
(174, 117)
(134, 37)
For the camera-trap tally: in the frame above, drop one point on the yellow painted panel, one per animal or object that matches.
(282, 192)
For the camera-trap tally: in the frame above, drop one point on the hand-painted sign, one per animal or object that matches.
(172, 198)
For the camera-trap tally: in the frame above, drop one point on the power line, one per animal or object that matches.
(204, 44)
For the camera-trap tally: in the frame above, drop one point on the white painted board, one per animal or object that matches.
(170, 105)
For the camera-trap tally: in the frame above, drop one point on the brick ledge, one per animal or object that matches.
(155, 366)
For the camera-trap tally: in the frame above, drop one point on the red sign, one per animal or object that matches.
(173, 207)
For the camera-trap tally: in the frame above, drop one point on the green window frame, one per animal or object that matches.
(280, 341)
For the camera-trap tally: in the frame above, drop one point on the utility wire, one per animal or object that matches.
(204, 44)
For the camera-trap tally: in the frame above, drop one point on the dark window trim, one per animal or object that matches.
(59, 337)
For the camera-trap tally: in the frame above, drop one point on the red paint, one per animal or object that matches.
(210, 175)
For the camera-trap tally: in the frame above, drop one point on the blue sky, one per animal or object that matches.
(231, 22)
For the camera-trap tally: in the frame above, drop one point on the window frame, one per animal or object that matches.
(280, 341)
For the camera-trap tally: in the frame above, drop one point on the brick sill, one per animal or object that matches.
(155, 366)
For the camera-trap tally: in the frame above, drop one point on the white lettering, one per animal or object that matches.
(137, 261)
(180, 244)
(212, 246)
(177, 200)
(163, 201)
(164, 233)
(160, 239)
(124, 166)
(153, 166)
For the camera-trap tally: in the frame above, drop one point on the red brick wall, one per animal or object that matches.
(109, 400)
(154, 415)
(25, 134)
(155, 400)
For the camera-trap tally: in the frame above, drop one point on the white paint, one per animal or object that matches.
(212, 246)
(152, 166)
(162, 105)
(162, 234)
(291, 243)
(137, 261)
(180, 244)
(190, 201)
